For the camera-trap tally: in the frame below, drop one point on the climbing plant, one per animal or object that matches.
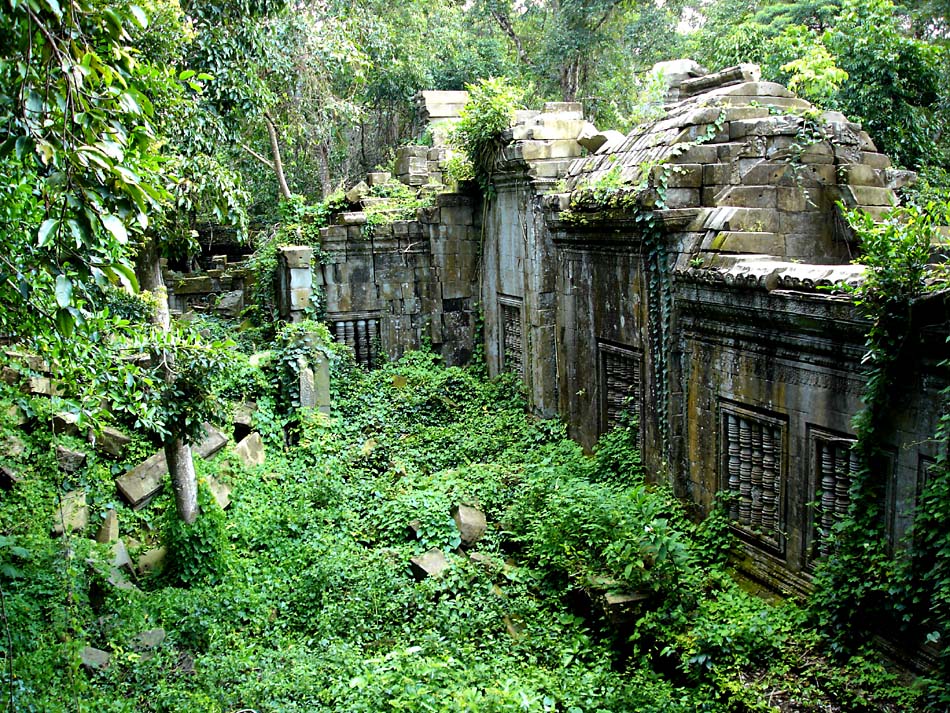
(862, 580)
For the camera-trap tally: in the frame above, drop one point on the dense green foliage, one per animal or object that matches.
(312, 605)
(856, 57)
(903, 588)
(478, 134)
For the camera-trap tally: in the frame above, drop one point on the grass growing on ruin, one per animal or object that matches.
(315, 607)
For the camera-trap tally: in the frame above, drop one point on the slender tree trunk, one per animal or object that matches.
(178, 457)
(275, 152)
(323, 168)
(181, 465)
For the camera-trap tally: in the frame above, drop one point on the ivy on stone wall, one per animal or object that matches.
(903, 589)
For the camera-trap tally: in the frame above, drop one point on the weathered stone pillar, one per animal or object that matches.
(295, 280)
(314, 383)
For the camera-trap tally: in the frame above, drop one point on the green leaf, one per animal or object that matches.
(186, 75)
(47, 230)
(139, 14)
(115, 226)
(64, 322)
(64, 291)
(126, 275)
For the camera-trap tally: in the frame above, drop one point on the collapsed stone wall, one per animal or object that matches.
(391, 287)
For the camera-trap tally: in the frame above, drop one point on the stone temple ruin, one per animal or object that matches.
(717, 323)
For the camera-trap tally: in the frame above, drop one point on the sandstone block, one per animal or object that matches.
(150, 561)
(69, 460)
(251, 450)
(686, 175)
(109, 529)
(33, 362)
(147, 642)
(871, 196)
(221, 492)
(296, 257)
(112, 442)
(66, 423)
(743, 113)
(356, 193)
(120, 557)
(755, 243)
(750, 197)
(194, 285)
(230, 304)
(471, 523)
(73, 513)
(143, 482)
(94, 659)
(14, 447)
(300, 298)
(875, 160)
(682, 198)
(354, 218)
(8, 477)
(333, 232)
(429, 564)
(412, 165)
(306, 385)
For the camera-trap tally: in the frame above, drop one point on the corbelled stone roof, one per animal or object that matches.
(757, 170)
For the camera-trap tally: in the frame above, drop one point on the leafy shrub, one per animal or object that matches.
(483, 120)
(197, 553)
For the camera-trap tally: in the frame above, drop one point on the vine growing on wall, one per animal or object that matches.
(863, 579)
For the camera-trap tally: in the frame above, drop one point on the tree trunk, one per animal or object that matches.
(275, 152)
(181, 465)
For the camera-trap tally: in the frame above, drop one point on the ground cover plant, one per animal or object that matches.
(312, 604)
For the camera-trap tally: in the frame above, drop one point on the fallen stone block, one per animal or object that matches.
(109, 529)
(143, 482)
(622, 607)
(14, 447)
(120, 566)
(470, 522)
(69, 460)
(66, 424)
(16, 416)
(147, 642)
(230, 303)
(221, 492)
(39, 386)
(72, 515)
(243, 419)
(251, 450)
(8, 477)
(112, 442)
(413, 528)
(429, 564)
(484, 560)
(356, 193)
(150, 561)
(377, 178)
(95, 659)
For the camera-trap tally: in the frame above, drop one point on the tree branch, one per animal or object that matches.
(275, 150)
(256, 155)
(505, 23)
